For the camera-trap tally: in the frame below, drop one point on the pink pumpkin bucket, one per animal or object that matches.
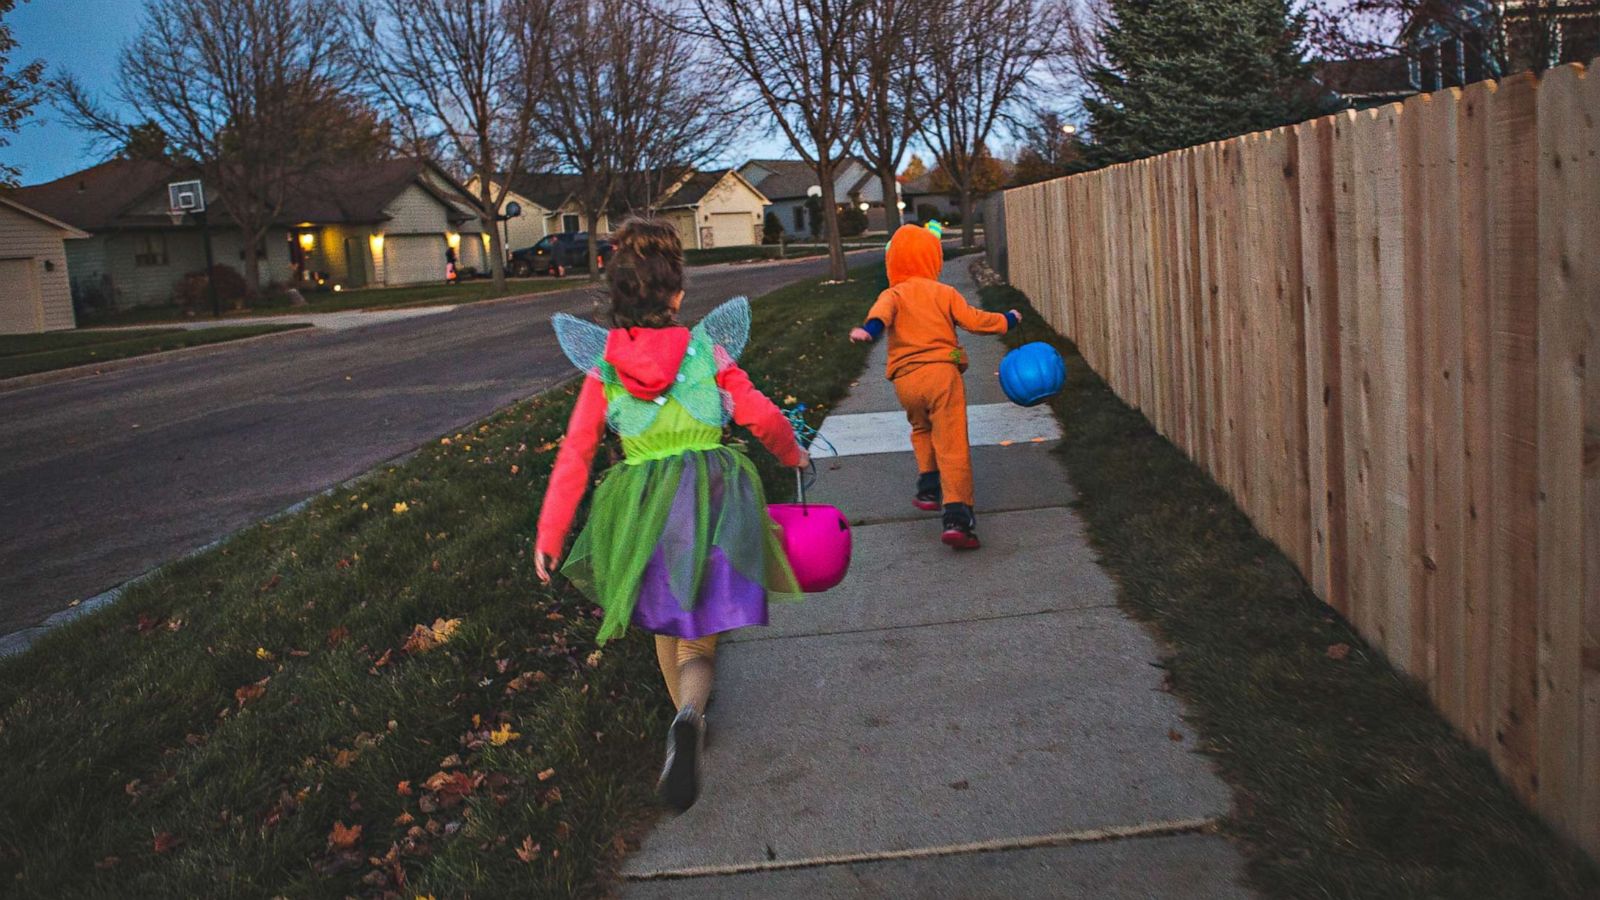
(816, 539)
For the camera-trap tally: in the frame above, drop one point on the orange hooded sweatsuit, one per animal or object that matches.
(925, 358)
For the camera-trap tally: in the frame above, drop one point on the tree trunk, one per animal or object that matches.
(252, 269)
(892, 214)
(497, 254)
(830, 222)
(489, 214)
(968, 235)
(592, 218)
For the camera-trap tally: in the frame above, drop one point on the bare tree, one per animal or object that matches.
(1452, 43)
(461, 78)
(639, 106)
(254, 91)
(983, 53)
(20, 90)
(797, 55)
(883, 90)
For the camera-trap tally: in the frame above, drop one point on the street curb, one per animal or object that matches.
(22, 640)
(72, 373)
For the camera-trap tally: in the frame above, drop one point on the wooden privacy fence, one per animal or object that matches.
(1380, 331)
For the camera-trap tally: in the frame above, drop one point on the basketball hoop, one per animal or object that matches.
(184, 197)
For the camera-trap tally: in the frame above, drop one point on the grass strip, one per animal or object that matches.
(26, 354)
(372, 697)
(1347, 783)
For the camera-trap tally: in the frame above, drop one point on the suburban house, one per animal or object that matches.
(714, 209)
(549, 205)
(919, 192)
(789, 183)
(393, 222)
(35, 294)
(1363, 83)
(710, 209)
(1461, 41)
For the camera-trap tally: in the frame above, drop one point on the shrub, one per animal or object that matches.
(814, 215)
(191, 291)
(852, 221)
(771, 229)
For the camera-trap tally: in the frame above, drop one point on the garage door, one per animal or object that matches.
(413, 258)
(21, 309)
(732, 229)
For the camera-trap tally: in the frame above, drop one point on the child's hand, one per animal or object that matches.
(805, 459)
(860, 335)
(543, 565)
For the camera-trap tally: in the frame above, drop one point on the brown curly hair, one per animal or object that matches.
(644, 273)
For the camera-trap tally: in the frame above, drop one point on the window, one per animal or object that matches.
(545, 242)
(150, 250)
(799, 218)
(569, 223)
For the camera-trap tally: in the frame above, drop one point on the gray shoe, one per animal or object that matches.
(679, 785)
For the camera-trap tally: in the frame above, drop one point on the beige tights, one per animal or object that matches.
(688, 668)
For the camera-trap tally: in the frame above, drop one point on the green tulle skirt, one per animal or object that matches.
(681, 546)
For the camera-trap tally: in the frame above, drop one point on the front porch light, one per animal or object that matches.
(307, 241)
(454, 239)
(377, 244)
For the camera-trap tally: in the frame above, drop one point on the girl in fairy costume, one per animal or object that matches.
(678, 540)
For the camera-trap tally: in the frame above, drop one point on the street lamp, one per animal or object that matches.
(1069, 129)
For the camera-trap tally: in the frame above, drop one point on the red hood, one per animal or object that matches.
(647, 359)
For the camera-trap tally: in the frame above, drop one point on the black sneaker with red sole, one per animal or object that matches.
(960, 527)
(928, 492)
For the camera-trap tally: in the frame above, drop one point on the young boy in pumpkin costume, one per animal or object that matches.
(926, 362)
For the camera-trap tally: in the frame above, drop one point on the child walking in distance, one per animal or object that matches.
(926, 362)
(678, 541)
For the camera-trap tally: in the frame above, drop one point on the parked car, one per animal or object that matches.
(557, 254)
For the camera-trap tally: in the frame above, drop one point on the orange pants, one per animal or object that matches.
(935, 401)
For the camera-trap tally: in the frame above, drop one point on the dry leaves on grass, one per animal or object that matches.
(342, 837)
(425, 637)
(503, 735)
(251, 691)
(166, 842)
(529, 851)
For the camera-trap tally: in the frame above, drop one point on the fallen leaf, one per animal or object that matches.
(264, 654)
(1338, 651)
(251, 691)
(403, 789)
(401, 508)
(342, 838)
(529, 851)
(338, 635)
(271, 583)
(594, 659)
(450, 762)
(426, 637)
(503, 735)
(381, 661)
(547, 774)
(404, 818)
(961, 785)
(344, 758)
(501, 665)
(166, 841)
(1173, 735)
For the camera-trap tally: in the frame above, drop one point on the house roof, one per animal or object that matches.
(98, 196)
(1382, 77)
(550, 190)
(123, 193)
(693, 189)
(67, 231)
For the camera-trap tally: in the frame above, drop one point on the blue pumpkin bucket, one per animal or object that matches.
(1032, 374)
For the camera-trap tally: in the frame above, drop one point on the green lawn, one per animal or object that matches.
(341, 301)
(226, 727)
(26, 354)
(1347, 782)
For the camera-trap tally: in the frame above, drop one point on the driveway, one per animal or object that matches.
(105, 477)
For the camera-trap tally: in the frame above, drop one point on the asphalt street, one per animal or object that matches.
(105, 477)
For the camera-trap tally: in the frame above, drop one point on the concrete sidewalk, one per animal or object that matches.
(984, 724)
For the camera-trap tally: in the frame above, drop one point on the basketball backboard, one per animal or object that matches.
(186, 196)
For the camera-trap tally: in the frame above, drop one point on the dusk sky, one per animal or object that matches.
(78, 36)
(85, 37)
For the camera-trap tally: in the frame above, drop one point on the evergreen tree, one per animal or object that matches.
(1181, 72)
